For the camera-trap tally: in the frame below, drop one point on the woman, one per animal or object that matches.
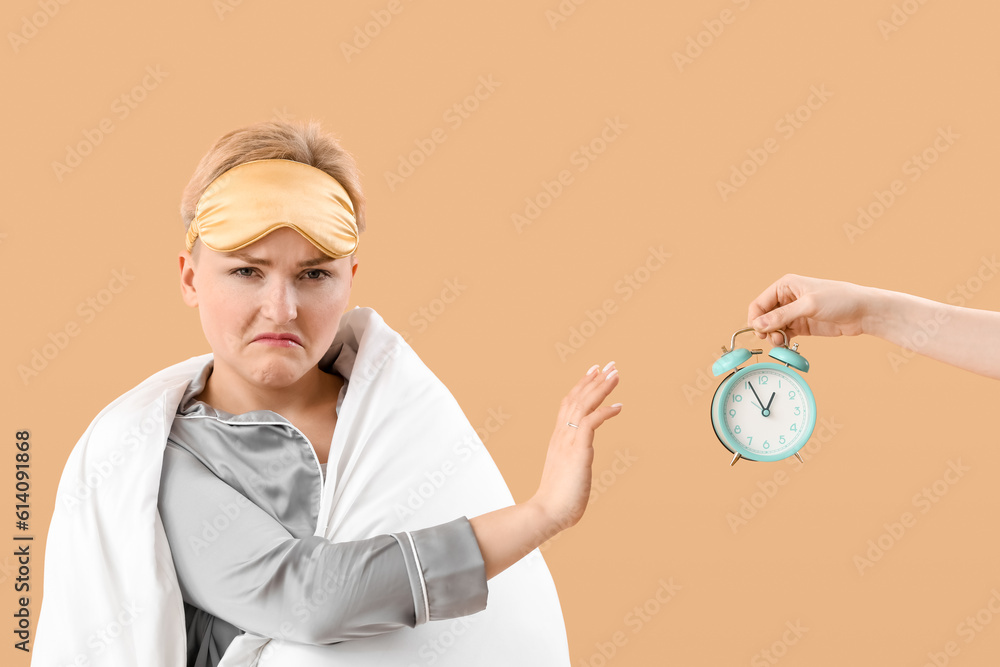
(803, 306)
(268, 551)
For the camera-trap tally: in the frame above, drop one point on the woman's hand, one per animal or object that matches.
(566, 478)
(810, 307)
(509, 534)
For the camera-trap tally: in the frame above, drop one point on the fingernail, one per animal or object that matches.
(593, 368)
(612, 374)
(610, 364)
(616, 405)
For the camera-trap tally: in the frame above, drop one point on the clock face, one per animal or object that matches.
(765, 411)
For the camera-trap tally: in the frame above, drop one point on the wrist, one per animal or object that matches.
(877, 311)
(544, 524)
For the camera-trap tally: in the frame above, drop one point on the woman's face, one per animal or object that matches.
(281, 284)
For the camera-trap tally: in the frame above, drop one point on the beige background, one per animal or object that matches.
(660, 515)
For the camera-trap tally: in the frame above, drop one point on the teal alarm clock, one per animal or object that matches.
(764, 411)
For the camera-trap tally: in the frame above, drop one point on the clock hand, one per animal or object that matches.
(763, 411)
(767, 409)
(754, 393)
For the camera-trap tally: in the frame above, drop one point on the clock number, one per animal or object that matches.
(798, 410)
(732, 413)
(736, 430)
(737, 398)
(749, 440)
(762, 379)
(766, 445)
(791, 394)
(781, 439)
(793, 427)
(779, 384)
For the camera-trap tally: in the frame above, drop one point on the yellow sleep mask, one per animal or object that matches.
(253, 199)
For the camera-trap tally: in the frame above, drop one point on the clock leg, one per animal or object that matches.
(735, 459)
(799, 457)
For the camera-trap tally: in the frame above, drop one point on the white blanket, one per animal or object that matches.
(403, 457)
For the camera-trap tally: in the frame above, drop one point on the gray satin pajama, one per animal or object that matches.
(239, 500)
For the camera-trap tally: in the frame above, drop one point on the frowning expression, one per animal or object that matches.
(270, 310)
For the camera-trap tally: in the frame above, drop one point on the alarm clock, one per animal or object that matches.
(764, 411)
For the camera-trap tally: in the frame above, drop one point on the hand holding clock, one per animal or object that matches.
(803, 306)
(809, 307)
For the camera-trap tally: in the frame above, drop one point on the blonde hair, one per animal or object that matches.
(304, 142)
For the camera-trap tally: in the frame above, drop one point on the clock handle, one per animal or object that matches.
(732, 341)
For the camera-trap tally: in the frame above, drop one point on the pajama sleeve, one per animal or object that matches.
(235, 561)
